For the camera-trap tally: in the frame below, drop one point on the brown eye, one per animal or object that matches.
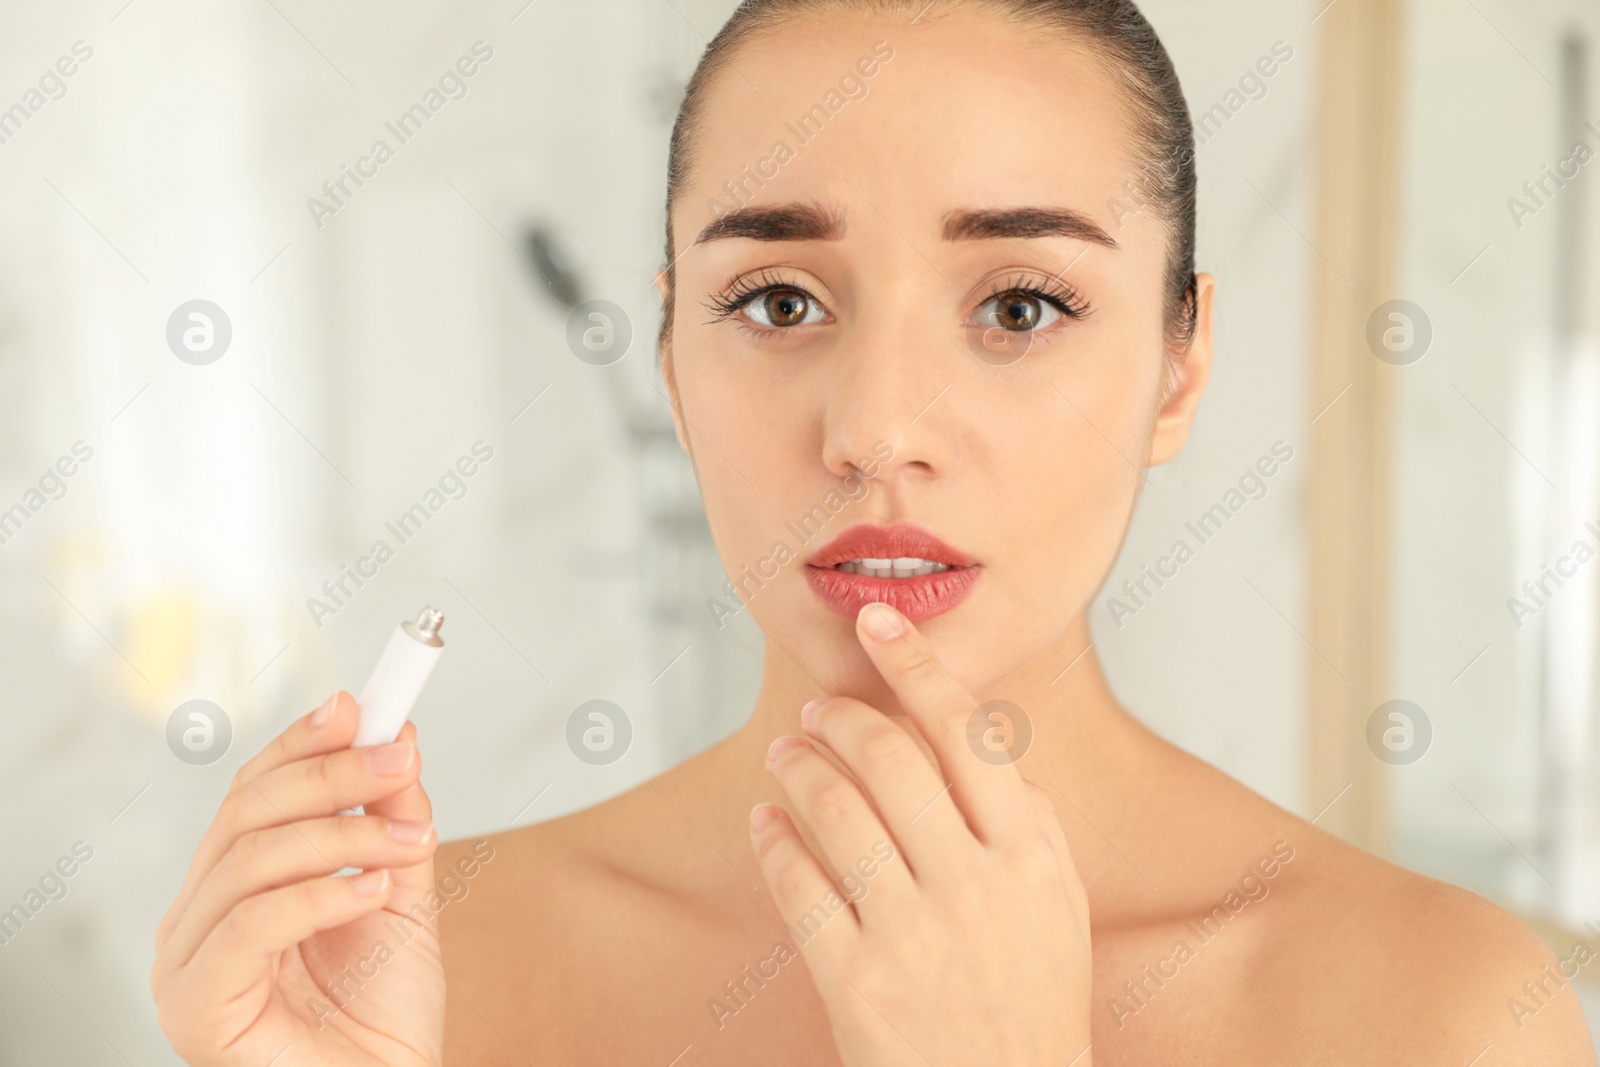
(1017, 310)
(782, 307)
(775, 307)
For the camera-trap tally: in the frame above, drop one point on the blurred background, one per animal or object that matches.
(224, 378)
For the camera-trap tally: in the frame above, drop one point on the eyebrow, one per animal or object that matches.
(811, 222)
(787, 222)
(1025, 222)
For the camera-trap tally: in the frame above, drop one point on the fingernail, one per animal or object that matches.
(881, 622)
(368, 882)
(761, 817)
(391, 758)
(320, 717)
(807, 712)
(409, 833)
(780, 746)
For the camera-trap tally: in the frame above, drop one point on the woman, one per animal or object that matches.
(930, 310)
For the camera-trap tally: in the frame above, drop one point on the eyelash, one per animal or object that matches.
(743, 290)
(1059, 295)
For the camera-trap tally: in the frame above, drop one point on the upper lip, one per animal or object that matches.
(902, 540)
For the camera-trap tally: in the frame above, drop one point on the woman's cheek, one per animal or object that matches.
(1067, 527)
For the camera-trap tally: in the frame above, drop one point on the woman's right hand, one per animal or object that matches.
(263, 952)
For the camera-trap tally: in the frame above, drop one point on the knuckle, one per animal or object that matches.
(240, 787)
(789, 881)
(312, 895)
(363, 836)
(165, 927)
(271, 754)
(245, 921)
(886, 744)
(325, 776)
(767, 846)
(834, 801)
(353, 832)
(917, 667)
(247, 852)
(952, 726)
(230, 820)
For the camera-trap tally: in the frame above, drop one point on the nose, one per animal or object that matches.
(889, 387)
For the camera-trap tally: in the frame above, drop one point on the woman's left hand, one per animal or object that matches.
(942, 924)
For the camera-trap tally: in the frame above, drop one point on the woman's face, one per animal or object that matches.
(936, 276)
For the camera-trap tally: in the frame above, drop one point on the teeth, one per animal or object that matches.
(902, 567)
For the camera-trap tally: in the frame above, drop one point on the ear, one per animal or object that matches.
(1190, 377)
(669, 375)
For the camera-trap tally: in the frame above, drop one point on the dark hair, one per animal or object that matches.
(1114, 29)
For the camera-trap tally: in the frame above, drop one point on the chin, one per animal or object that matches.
(820, 640)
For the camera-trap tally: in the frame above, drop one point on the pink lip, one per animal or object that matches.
(917, 598)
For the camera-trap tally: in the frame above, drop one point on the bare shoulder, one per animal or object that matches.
(549, 876)
(1330, 946)
(1385, 965)
(566, 919)
(518, 909)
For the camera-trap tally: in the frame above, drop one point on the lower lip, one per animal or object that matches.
(917, 598)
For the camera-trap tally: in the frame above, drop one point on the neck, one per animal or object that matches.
(1079, 735)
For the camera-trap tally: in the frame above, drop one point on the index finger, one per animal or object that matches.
(328, 728)
(991, 796)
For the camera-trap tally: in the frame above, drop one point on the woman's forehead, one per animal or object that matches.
(963, 112)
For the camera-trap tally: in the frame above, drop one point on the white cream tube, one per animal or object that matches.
(396, 682)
